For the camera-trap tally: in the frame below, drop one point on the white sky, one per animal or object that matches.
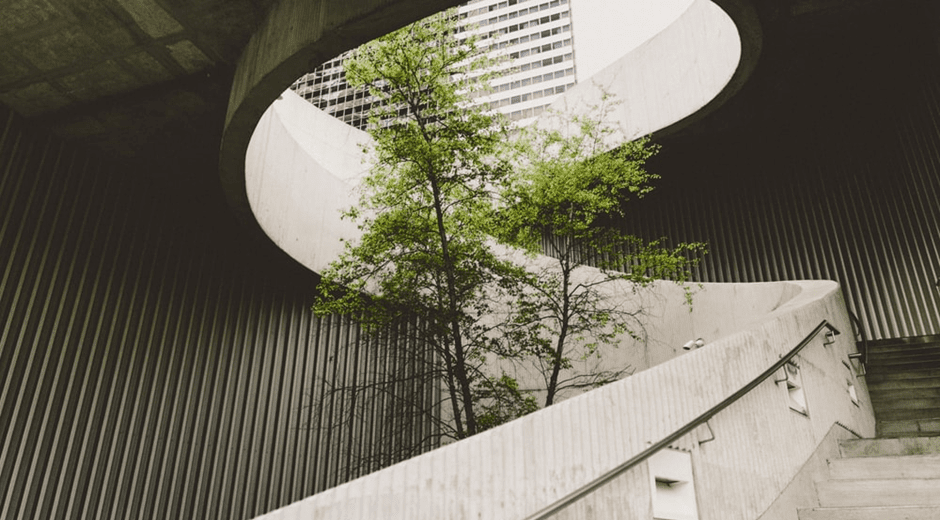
(605, 30)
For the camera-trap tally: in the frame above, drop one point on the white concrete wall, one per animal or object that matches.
(669, 77)
(300, 172)
(604, 29)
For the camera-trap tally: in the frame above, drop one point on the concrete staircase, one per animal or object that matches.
(895, 476)
(904, 384)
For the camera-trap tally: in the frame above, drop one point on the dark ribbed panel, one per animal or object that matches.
(149, 366)
(877, 238)
(845, 191)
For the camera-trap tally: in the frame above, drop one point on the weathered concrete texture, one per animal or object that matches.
(908, 427)
(151, 18)
(891, 447)
(871, 513)
(76, 51)
(912, 466)
(800, 493)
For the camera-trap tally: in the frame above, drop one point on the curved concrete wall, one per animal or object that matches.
(300, 171)
(688, 70)
(666, 79)
(718, 310)
(297, 198)
(666, 323)
(298, 157)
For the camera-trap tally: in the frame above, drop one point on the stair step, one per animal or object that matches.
(928, 361)
(871, 513)
(904, 366)
(910, 427)
(879, 492)
(889, 349)
(907, 467)
(909, 403)
(904, 342)
(898, 414)
(893, 359)
(905, 384)
(924, 347)
(879, 374)
(890, 447)
(898, 394)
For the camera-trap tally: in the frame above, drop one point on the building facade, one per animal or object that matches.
(534, 38)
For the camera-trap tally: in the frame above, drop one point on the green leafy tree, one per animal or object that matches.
(571, 185)
(425, 254)
(442, 190)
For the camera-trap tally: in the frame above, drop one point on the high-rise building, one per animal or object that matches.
(534, 36)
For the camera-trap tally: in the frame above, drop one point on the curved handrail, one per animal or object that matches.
(863, 355)
(590, 487)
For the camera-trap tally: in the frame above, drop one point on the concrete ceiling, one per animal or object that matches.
(120, 75)
(136, 78)
(55, 54)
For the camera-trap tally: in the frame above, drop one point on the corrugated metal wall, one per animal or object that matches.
(152, 367)
(880, 244)
(837, 179)
(149, 367)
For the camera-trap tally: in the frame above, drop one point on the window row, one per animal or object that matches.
(538, 94)
(510, 15)
(543, 48)
(529, 112)
(525, 82)
(525, 25)
(351, 97)
(531, 37)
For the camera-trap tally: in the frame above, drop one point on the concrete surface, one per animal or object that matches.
(871, 513)
(911, 466)
(879, 492)
(57, 54)
(890, 447)
(669, 77)
(800, 493)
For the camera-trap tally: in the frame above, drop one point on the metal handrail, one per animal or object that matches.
(863, 357)
(592, 486)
